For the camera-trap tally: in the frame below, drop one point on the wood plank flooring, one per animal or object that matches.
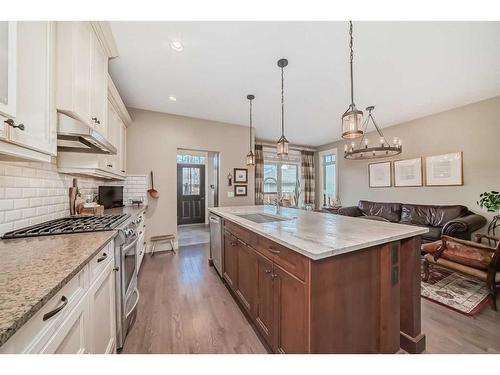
(185, 308)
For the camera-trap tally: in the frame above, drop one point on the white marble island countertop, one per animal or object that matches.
(318, 235)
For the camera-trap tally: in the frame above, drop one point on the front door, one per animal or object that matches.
(190, 193)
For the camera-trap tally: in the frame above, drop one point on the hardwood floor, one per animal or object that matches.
(448, 331)
(185, 308)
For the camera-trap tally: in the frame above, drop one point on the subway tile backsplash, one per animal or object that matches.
(31, 193)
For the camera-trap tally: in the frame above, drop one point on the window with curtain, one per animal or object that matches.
(282, 178)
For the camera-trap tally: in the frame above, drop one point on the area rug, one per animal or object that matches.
(457, 292)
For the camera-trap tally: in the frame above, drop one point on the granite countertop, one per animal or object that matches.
(34, 269)
(318, 235)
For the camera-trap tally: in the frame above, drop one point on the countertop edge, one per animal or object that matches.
(334, 252)
(20, 322)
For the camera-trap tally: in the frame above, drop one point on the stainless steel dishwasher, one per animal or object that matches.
(216, 241)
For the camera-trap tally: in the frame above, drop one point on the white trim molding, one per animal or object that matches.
(332, 151)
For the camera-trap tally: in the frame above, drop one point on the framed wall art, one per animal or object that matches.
(379, 174)
(407, 172)
(240, 175)
(444, 170)
(240, 190)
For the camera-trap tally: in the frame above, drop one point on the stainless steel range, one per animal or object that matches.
(126, 241)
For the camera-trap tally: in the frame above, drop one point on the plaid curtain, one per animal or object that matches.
(259, 175)
(307, 167)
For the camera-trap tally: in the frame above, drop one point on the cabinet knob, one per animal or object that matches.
(123, 170)
(267, 271)
(273, 276)
(11, 123)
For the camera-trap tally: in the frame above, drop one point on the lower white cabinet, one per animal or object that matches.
(80, 318)
(72, 337)
(102, 312)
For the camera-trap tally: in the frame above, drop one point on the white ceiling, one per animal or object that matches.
(406, 69)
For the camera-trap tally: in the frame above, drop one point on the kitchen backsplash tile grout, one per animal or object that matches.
(31, 193)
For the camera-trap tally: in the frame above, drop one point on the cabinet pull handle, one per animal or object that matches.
(50, 314)
(11, 123)
(123, 170)
(100, 259)
(110, 165)
(94, 119)
(273, 250)
(234, 243)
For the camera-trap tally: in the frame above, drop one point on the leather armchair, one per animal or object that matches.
(463, 227)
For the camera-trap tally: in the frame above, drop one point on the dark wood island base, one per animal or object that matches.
(364, 301)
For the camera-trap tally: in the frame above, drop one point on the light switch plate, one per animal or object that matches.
(230, 194)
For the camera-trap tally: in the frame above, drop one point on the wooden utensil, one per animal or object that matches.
(152, 192)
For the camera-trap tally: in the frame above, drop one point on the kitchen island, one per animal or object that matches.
(312, 282)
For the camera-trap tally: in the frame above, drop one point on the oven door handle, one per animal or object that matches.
(136, 291)
(129, 246)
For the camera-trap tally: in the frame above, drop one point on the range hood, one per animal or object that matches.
(75, 136)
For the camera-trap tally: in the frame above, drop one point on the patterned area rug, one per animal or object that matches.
(455, 291)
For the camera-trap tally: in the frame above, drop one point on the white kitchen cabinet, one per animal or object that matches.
(8, 67)
(98, 86)
(84, 320)
(74, 52)
(31, 134)
(35, 87)
(72, 337)
(102, 311)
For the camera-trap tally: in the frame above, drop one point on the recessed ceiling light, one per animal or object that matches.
(176, 45)
(172, 98)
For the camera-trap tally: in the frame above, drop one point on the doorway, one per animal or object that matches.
(197, 190)
(190, 193)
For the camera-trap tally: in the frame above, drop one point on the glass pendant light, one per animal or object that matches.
(250, 155)
(282, 146)
(352, 119)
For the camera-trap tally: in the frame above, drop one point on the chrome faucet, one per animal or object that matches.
(279, 197)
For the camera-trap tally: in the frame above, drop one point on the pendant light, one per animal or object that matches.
(282, 146)
(250, 155)
(352, 119)
(365, 151)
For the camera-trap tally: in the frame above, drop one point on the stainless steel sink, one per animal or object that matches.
(263, 218)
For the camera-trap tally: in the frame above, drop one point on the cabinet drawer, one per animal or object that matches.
(239, 232)
(35, 334)
(290, 260)
(101, 260)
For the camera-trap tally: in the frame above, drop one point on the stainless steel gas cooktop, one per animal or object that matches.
(70, 224)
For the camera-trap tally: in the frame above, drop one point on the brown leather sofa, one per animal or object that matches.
(455, 221)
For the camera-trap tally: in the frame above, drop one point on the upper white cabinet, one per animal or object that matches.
(8, 57)
(98, 86)
(35, 93)
(31, 132)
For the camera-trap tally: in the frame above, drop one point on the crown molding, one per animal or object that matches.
(106, 38)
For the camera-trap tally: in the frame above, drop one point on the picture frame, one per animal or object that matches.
(240, 190)
(240, 175)
(444, 169)
(379, 175)
(408, 172)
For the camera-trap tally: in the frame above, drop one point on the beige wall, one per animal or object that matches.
(473, 129)
(152, 142)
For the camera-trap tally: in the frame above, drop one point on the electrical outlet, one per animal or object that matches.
(230, 194)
